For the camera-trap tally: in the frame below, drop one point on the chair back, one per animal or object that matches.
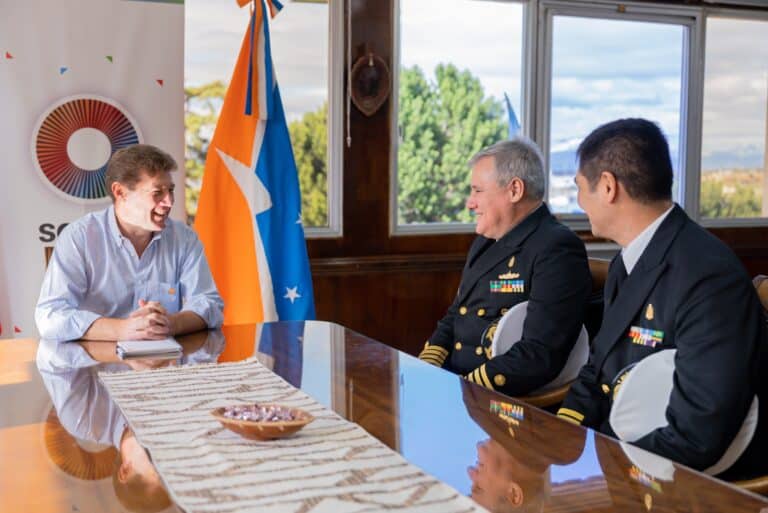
(510, 330)
(598, 267)
(640, 406)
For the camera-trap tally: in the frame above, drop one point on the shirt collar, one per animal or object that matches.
(634, 250)
(526, 226)
(115, 230)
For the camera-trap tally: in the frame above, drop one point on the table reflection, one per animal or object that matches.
(512, 472)
(86, 434)
(506, 455)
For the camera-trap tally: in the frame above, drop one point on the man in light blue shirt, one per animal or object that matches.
(129, 272)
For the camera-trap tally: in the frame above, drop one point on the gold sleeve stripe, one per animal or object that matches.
(573, 414)
(470, 377)
(484, 376)
(478, 378)
(568, 419)
(432, 347)
(438, 351)
(431, 357)
(433, 361)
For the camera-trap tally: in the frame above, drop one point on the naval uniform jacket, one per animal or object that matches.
(687, 291)
(540, 261)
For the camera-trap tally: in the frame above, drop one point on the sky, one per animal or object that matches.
(601, 69)
(214, 31)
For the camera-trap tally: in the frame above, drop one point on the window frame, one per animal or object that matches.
(692, 67)
(335, 127)
(396, 229)
(736, 14)
(537, 47)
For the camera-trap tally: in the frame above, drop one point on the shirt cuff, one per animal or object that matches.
(72, 325)
(208, 310)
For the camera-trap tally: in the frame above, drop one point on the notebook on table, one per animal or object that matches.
(165, 348)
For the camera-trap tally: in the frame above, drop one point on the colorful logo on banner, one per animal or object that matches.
(73, 142)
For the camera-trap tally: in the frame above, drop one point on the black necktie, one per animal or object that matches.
(616, 277)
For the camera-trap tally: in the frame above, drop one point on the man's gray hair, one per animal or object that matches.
(517, 158)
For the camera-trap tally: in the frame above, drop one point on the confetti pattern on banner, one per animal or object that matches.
(16, 329)
(109, 58)
(8, 55)
(63, 70)
(160, 82)
(330, 465)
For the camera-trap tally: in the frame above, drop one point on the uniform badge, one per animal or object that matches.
(507, 286)
(645, 336)
(649, 312)
(511, 413)
(511, 262)
(509, 276)
(644, 479)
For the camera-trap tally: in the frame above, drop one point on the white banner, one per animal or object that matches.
(79, 79)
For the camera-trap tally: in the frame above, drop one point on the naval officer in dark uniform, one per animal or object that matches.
(672, 286)
(521, 254)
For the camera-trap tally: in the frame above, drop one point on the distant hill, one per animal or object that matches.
(725, 160)
(564, 162)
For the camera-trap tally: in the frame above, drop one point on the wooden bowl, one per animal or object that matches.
(264, 430)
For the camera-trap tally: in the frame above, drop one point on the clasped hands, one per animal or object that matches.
(151, 321)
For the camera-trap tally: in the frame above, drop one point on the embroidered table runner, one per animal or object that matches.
(332, 465)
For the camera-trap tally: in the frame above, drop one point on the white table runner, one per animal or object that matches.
(332, 465)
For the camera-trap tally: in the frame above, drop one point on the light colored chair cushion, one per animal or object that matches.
(640, 406)
(649, 463)
(510, 330)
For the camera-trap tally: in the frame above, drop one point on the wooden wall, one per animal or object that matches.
(394, 289)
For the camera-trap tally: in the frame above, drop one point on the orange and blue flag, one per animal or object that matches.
(249, 210)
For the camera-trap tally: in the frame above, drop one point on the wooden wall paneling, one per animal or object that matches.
(392, 299)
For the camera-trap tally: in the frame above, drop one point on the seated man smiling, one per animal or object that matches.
(129, 271)
(522, 254)
(673, 286)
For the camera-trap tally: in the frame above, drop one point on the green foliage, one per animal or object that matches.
(201, 111)
(442, 124)
(728, 197)
(309, 137)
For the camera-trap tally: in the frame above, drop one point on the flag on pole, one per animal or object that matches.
(513, 123)
(249, 210)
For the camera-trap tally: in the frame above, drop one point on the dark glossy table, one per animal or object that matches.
(505, 454)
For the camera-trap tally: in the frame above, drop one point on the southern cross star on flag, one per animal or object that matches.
(250, 200)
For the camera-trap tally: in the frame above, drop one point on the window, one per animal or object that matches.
(734, 168)
(602, 70)
(459, 89)
(306, 53)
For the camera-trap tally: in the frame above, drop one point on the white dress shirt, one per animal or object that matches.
(634, 250)
(95, 272)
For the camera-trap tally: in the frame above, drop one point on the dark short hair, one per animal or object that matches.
(126, 165)
(636, 152)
